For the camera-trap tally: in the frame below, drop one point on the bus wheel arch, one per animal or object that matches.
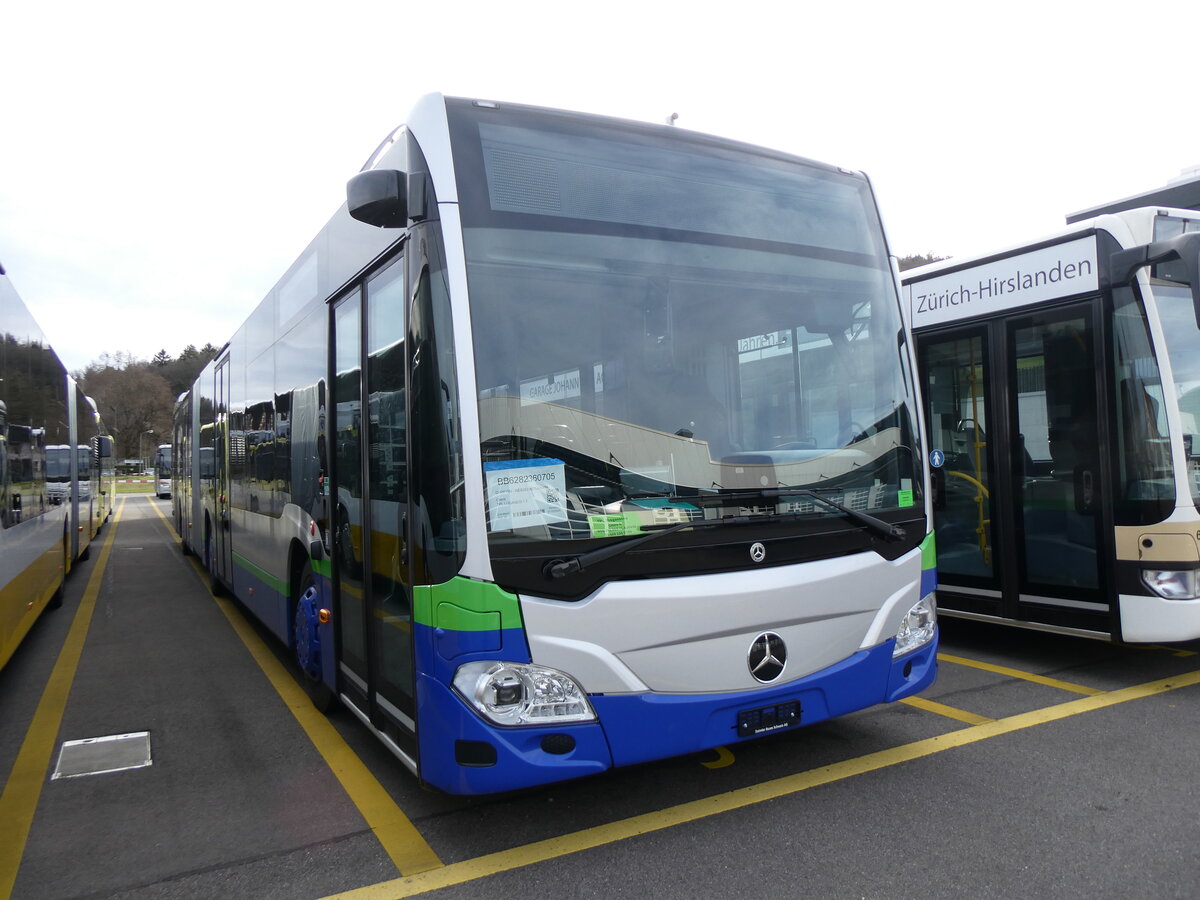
(305, 630)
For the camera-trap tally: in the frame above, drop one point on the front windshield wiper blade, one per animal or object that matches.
(880, 527)
(561, 568)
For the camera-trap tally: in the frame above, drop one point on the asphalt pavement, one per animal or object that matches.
(1036, 766)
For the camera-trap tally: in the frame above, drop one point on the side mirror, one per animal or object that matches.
(101, 448)
(378, 197)
(1177, 259)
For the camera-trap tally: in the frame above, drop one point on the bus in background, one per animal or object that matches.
(58, 474)
(45, 488)
(572, 443)
(182, 496)
(91, 500)
(1061, 382)
(73, 472)
(99, 446)
(162, 471)
(193, 465)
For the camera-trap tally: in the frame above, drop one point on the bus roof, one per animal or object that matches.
(1183, 193)
(1130, 227)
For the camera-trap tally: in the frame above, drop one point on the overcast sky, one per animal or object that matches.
(161, 164)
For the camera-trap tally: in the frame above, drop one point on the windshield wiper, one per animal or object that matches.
(880, 527)
(561, 568)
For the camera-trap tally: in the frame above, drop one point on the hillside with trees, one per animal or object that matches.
(136, 398)
(911, 262)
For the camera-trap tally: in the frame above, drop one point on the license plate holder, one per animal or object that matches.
(765, 719)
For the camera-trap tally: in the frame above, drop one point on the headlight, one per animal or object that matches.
(918, 627)
(1172, 585)
(519, 694)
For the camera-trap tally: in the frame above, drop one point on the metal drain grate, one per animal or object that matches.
(101, 755)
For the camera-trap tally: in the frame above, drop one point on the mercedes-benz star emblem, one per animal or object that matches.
(758, 551)
(767, 657)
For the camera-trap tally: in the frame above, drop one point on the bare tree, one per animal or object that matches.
(132, 401)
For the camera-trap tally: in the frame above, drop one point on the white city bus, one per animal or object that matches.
(162, 471)
(1061, 383)
(571, 443)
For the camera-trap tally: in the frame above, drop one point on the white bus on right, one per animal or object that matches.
(1062, 396)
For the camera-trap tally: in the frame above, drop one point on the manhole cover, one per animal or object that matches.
(100, 755)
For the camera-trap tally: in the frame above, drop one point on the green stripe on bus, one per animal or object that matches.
(929, 552)
(462, 604)
(276, 584)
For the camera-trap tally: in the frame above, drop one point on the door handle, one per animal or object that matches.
(1086, 491)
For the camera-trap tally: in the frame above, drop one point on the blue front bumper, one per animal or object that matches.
(634, 728)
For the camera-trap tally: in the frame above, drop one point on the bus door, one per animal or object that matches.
(370, 489)
(222, 558)
(1017, 444)
(957, 370)
(1057, 444)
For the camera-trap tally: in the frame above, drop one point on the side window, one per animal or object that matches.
(236, 423)
(385, 384)
(260, 433)
(4, 467)
(300, 371)
(1145, 488)
(437, 457)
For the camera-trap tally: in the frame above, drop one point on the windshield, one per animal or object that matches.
(58, 463)
(1183, 344)
(660, 317)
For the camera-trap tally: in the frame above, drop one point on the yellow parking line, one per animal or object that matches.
(541, 851)
(1174, 651)
(950, 712)
(1017, 673)
(394, 831)
(19, 801)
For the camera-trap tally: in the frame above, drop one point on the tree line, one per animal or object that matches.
(136, 398)
(911, 262)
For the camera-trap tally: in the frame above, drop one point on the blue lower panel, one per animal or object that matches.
(636, 728)
(270, 606)
(642, 727)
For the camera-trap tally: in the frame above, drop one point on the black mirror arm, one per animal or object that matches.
(1123, 264)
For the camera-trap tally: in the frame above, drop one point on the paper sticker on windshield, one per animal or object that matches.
(615, 524)
(904, 498)
(524, 493)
